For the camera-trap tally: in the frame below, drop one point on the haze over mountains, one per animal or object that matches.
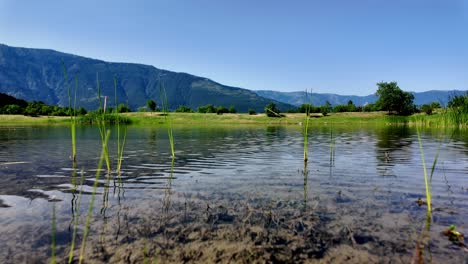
(298, 98)
(37, 75)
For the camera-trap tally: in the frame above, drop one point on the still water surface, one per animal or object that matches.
(364, 181)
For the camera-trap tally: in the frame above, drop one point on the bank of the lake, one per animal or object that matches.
(197, 119)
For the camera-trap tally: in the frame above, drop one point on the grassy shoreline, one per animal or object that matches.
(200, 119)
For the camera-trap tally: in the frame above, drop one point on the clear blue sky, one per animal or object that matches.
(333, 46)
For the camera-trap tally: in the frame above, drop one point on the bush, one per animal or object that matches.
(272, 111)
(12, 109)
(326, 108)
(232, 110)
(95, 117)
(184, 109)
(122, 108)
(252, 112)
(370, 108)
(221, 110)
(209, 108)
(427, 108)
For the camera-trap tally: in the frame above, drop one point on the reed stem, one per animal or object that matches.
(426, 179)
(93, 196)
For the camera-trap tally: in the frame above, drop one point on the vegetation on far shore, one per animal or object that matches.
(394, 106)
(438, 119)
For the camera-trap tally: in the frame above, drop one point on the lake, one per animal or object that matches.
(233, 194)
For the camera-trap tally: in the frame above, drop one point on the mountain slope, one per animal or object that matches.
(37, 74)
(298, 98)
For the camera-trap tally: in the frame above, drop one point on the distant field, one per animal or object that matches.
(21, 119)
(199, 119)
(212, 119)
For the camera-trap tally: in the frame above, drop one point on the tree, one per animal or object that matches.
(272, 111)
(12, 109)
(252, 111)
(151, 105)
(184, 109)
(393, 99)
(209, 108)
(81, 111)
(122, 108)
(232, 110)
(326, 108)
(459, 101)
(221, 110)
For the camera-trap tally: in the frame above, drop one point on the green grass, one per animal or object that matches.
(438, 120)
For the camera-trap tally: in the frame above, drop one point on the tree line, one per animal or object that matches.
(390, 98)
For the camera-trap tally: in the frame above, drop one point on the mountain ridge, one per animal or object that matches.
(300, 97)
(37, 75)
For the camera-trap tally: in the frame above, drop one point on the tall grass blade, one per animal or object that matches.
(71, 113)
(102, 124)
(93, 196)
(306, 128)
(426, 180)
(54, 233)
(76, 216)
(306, 189)
(120, 145)
(165, 107)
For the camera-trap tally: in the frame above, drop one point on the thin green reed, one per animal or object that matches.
(165, 107)
(72, 115)
(120, 147)
(426, 180)
(306, 189)
(93, 195)
(101, 123)
(306, 128)
(75, 220)
(54, 232)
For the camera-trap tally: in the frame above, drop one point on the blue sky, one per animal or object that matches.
(334, 46)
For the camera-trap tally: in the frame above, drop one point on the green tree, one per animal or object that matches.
(252, 111)
(326, 108)
(209, 108)
(184, 109)
(459, 101)
(393, 99)
(123, 108)
(12, 109)
(272, 111)
(81, 111)
(151, 105)
(221, 110)
(232, 110)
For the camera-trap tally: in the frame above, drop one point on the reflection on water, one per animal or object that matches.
(342, 196)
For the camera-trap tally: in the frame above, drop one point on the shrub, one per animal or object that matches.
(209, 108)
(184, 109)
(232, 110)
(272, 111)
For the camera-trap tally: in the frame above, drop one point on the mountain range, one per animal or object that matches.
(38, 75)
(298, 98)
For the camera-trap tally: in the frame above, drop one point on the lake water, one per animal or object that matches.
(234, 195)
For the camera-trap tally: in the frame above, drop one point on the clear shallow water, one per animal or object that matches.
(364, 179)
